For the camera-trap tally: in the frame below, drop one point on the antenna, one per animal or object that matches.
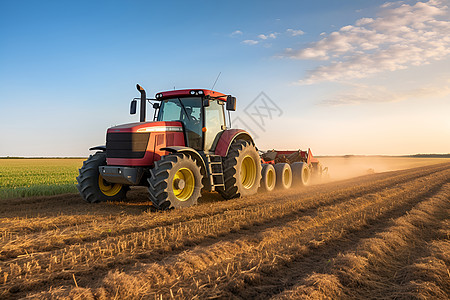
(216, 80)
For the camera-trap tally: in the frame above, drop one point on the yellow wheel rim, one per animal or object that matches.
(270, 178)
(183, 184)
(287, 177)
(107, 188)
(248, 172)
(306, 175)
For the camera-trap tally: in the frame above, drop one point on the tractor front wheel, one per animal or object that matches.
(92, 187)
(174, 182)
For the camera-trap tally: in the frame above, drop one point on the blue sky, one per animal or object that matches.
(349, 77)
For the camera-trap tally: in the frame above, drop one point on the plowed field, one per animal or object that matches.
(383, 235)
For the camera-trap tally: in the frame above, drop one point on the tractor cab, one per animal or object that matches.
(202, 113)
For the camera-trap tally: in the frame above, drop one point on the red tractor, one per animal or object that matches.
(187, 148)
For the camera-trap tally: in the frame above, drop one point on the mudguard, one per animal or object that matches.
(195, 155)
(228, 137)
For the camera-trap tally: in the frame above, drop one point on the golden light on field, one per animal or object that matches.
(301, 241)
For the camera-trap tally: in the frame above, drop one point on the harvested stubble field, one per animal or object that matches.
(383, 235)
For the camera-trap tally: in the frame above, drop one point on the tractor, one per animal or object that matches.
(185, 150)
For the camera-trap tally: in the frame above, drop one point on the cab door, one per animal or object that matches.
(214, 122)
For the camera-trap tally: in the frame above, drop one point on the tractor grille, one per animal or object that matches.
(126, 145)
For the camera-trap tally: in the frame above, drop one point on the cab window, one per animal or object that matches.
(214, 119)
(188, 111)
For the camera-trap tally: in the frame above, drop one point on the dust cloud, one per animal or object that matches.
(344, 167)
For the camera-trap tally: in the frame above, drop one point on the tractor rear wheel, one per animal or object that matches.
(268, 178)
(284, 176)
(92, 187)
(301, 173)
(241, 170)
(174, 182)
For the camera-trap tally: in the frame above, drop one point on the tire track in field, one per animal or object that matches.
(419, 255)
(100, 229)
(400, 261)
(266, 280)
(250, 236)
(323, 258)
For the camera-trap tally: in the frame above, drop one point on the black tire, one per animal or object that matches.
(169, 171)
(92, 187)
(268, 178)
(242, 155)
(284, 176)
(301, 174)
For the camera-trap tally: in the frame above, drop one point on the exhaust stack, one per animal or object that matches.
(143, 102)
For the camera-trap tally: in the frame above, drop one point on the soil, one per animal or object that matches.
(382, 235)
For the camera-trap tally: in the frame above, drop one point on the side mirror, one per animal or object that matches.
(133, 106)
(206, 102)
(155, 105)
(231, 103)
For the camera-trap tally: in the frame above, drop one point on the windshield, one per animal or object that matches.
(188, 111)
(180, 109)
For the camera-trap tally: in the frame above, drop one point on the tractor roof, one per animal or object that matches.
(190, 93)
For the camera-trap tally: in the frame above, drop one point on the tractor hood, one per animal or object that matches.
(159, 126)
(140, 144)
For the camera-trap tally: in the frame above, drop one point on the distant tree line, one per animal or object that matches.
(431, 155)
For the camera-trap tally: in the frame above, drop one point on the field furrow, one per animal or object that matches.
(251, 247)
(283, 246)
(409, 259)
(21, 237)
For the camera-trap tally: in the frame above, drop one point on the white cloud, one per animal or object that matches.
(402, 35)
(262, 36)
(268, 36)
(250, 42)
(364, 21)
(236, 33)
(295, 32)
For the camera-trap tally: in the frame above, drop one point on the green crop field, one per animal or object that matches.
(37, 177)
